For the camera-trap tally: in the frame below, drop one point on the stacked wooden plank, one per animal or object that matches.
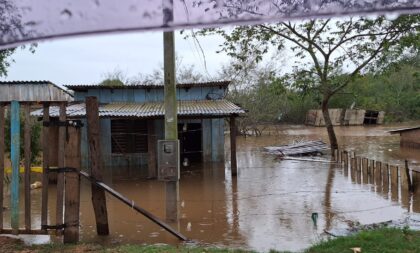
(299, 149)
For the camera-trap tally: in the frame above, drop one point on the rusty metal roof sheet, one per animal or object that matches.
(33, 91)
(218, 108)
(82, 87)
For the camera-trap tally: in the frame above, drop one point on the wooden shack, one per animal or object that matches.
(410, 137)
(345, 117)
(131, 120)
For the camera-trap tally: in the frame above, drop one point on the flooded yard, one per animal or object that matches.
(272, 204)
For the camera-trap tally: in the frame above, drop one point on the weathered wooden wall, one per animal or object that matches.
(344, 117)
(354, 117)
(410, 139)
(315, 117)
(32, 92)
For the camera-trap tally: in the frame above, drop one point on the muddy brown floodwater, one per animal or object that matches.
(269, 205)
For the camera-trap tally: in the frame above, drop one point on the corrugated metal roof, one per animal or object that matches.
(81, 87)
(395, 131)
(152, 109)
(33, 91)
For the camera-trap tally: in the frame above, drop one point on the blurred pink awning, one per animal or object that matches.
(24, 21)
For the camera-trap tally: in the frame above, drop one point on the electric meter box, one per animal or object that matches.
(168, 160)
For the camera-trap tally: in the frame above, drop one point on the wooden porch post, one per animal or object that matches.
(27, 150)
(233, 163)
(151, 149)
(98, 194)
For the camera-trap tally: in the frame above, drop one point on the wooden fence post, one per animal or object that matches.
(358, 170)
(365, 170)
(72, 186)
(394, 175)
(346, 163)
(61, 153)
(371, 171)
(353, 169)
(27, 151)
(405, 178)
(45, 165)
(378, 174)
(233, 163)
(98, 194)
(385, 178)
(2, 122)
(394, 182)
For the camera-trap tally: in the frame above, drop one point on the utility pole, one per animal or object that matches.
(171, 122)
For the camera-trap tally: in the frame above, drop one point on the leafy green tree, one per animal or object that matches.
(35, 137)
(329, 53)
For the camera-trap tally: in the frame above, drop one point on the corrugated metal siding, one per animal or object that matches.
(152, 109)
(34, 91)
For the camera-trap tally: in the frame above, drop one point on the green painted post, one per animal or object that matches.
(15, 157)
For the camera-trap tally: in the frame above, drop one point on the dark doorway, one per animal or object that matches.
(189, 135)
(371, 117)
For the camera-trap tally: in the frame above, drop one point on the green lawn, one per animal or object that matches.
(381, 241)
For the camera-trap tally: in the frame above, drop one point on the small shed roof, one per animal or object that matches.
(209, 108)
(84, 87)
(397, 131)
(33, 91)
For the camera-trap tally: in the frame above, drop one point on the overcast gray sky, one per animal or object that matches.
(87, 59)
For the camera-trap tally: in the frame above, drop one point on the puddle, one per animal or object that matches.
(270, 205)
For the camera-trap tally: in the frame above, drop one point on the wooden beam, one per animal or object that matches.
(98, 194)
(406, 183)
(2, 147)
(45, 164)
(60, 176)
(72, 186)
(15, 159)
(378, 174)
(24, 232)
(365, 164)
(151, 149)
(27, 151)
(233, 162)
(385, 179)
(394, 182)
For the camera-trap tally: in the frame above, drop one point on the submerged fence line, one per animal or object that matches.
(396, 182)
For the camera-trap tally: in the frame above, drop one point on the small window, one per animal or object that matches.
(129, 136)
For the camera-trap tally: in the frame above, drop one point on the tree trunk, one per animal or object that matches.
(329, 125)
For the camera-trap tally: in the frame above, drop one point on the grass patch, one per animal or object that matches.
(372, 241)
(382, 240)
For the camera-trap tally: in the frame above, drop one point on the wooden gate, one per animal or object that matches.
(68, 191)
